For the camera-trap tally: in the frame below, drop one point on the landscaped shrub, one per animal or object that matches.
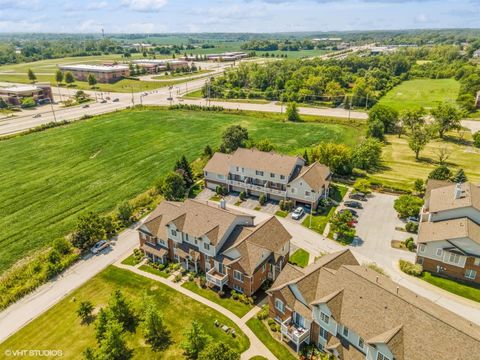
(263, 314)
(409, 244)
(411, 227)
(286, 205)
(411, 269)
(476, 139)
(177, 278)
(234, 295)
(262, 199)
(242, 196)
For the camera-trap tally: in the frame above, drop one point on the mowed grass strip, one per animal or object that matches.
(49, 178)
(421, 93)
(61, 328)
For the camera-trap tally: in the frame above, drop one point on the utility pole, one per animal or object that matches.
(133, 99)
(53, 111)
(350, 107)
(366, 103)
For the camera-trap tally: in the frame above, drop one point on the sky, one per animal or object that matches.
(170, 16)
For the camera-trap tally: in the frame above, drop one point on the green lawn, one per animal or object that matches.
(61, 329)
(152, 270)
(421, 93)
(318, 221)
(401, 169)
(131, 260)
(122, 86)
(469, 292)
(237, 307)
(282, 213)
(180, 75)
(275, 346)
(300, 258)
(49, 178)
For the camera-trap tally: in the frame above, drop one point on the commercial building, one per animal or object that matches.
(225, 244)
(103, 73)
(227, 56)
(278, 177)
(448, 242)
(13, 94)
(157, 65)
(353, 312)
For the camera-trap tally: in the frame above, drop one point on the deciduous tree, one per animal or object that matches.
(218, 351)
(407, 205)
(447, 117)
(419, 138)
(195, 340)
(234, 137)
(31, 75)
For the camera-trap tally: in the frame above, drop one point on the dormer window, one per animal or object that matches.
(259, 173)
(381, 356)
(206, 246)
(174, 232)
(325, 318)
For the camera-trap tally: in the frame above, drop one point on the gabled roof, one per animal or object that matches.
(218, 164)
(449, 230)
(269, 162)
(194, 218)
(257, 243)
(315, 175)
(443, 198)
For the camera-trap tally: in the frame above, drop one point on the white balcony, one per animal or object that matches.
(216, 278)
(259, 188)
(295, 333)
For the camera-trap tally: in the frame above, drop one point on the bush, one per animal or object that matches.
(411, 227)
(270, 321)
(409, 244)
(441, 172)
(411, 269)
(243, 196)
(221, 294)
(177, 278)
(263, 314)
(262, 199)
(476, 139)
(202, 281)
(286, 205)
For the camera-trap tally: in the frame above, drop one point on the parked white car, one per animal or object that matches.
(99, 246)
(298, 213)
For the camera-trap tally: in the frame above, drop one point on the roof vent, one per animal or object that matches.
(458, 191)
(376, 279)
(397, 289)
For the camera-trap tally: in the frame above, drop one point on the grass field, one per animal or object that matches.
(421, 93)
(181, 75)
(454, 287)
(49, 178)
(61, 329)
(122, 86)
(401, 169)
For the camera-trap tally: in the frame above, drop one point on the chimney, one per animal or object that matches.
(223, 204)
(458, 191)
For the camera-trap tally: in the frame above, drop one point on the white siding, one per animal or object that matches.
(468, 212)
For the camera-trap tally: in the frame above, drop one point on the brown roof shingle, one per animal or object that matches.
(448, 230)
(443, 198)
(218, 164)
(316, 175)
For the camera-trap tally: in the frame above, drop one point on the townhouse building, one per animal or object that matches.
(353, 312)
(448, 242)
(279, 177)
(225, 244)
(103, 73)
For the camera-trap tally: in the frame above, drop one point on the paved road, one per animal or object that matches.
(28, 308)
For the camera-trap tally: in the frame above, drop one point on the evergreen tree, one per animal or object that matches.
(101, 325)
(59, 76)
(121, 310)
(187, 169)
(460, 177)
(154, 330)
(31, 75)
(218, 351)
(196, 340)
(207, 151)
(292, 112)
(305, 157)
(113, 345)
(85, 311)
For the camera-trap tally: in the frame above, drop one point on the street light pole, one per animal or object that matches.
(53, 111)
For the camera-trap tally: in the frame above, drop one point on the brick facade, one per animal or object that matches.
(451, 271)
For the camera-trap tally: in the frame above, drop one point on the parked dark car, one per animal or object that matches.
(357, 196)
(116, 100)
(351, 211)
(353, 204)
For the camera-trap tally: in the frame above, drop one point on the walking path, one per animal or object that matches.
(256, 346)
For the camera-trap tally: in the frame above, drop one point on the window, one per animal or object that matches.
(206, 246)
(323, 333)
(307, 193)
(361, 343)
(293, 190)
(279, 305)
(162, 242)
(257, 172)
(477, 262)
(237, 168)
(470, 274)
(174, 233)
(439, 252)
(345, 332)
(237, 275)
(325, 318)
(454, 258)
(272, 175)
(420, 260)
(299, 320)
(421, 248)
(238, 288)
(221, 268)
(282, 177)
(380, 356)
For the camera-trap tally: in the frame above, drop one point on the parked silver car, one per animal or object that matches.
(99, 246)
(298, 213)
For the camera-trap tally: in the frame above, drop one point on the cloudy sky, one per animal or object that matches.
(127, 16)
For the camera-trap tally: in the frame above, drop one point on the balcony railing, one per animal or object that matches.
(249, 186)
(216, 278)
(295, 333)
